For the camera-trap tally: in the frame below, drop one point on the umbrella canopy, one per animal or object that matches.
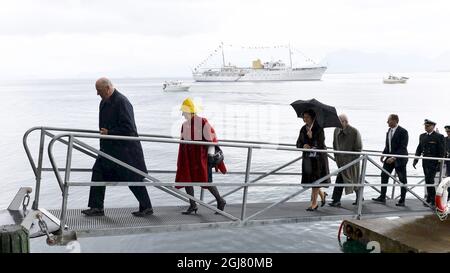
(326, 115)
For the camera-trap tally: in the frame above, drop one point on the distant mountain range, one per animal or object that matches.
(349, 61)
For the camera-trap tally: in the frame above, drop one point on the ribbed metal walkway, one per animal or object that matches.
(119, 221)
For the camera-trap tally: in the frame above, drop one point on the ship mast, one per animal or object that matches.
(290, 55)
(223, 55)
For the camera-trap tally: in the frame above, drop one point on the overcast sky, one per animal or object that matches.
(142, 38)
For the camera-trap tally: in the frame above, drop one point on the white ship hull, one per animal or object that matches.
(176, 89)
(252, 75)
(394, 81)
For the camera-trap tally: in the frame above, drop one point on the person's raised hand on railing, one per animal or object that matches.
(103, 131)
(306, 146)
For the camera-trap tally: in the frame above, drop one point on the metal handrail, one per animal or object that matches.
(74, 143)
(228, 172)
(253, 142)
(253, 146)
(73, 130)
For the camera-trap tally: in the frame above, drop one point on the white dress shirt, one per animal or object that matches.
(391, 133)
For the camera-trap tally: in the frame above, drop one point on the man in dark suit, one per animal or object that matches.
(116, 117)
(396, 144)
(431, 144)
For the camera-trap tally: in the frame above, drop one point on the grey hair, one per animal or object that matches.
(343, 117)
(104, 82)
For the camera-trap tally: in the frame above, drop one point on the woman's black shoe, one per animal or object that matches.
(221, 205)
(313, 209)
(324, 201)
(190, 210)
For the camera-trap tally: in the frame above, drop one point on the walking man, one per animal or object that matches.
(431, 144)
(396, 144)
(346, 138)
(116, 117)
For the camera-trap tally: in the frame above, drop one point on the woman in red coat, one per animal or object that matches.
(192, 163)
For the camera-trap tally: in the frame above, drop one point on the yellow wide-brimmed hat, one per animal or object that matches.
(189, 106)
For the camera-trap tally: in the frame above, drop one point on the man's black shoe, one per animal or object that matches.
(93, 212)
(143, 213)
(380, 199)
(335, 204)
(401, 203)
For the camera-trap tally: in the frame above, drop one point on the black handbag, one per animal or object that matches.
(216, 158)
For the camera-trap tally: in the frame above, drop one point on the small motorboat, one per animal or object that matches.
(175, 86)
(395, 79)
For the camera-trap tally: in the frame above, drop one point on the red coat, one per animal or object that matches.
(192, 163)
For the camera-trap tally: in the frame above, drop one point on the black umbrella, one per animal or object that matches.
(326, 115)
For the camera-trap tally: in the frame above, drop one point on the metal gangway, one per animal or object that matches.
(68, 223)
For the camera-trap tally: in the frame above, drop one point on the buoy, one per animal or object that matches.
(441, 199)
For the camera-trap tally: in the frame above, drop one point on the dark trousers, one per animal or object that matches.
(97, 193)
(401, 173)
(337, 191)
(430, 170)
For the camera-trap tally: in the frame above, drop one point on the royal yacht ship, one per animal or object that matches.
(267, 71)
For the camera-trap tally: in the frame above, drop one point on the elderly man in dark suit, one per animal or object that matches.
(396, 144)
(117, 118)
(431, 144)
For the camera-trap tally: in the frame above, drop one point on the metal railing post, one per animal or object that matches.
(261, 177)
(65, 193)
(361, 189)
(393, 188)
(202, 194)
(39, 170)
(247, 177)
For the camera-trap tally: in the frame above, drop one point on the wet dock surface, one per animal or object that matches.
(405, 234)
(169, 218)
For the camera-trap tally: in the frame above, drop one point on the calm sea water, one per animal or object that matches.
(245, 111)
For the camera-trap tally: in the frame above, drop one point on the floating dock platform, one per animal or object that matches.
(412, 234)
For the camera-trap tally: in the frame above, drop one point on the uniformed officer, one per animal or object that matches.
(447, 149)
(431, 144)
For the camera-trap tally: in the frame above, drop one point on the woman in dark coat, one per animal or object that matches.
(192, 163)
(314, 165)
